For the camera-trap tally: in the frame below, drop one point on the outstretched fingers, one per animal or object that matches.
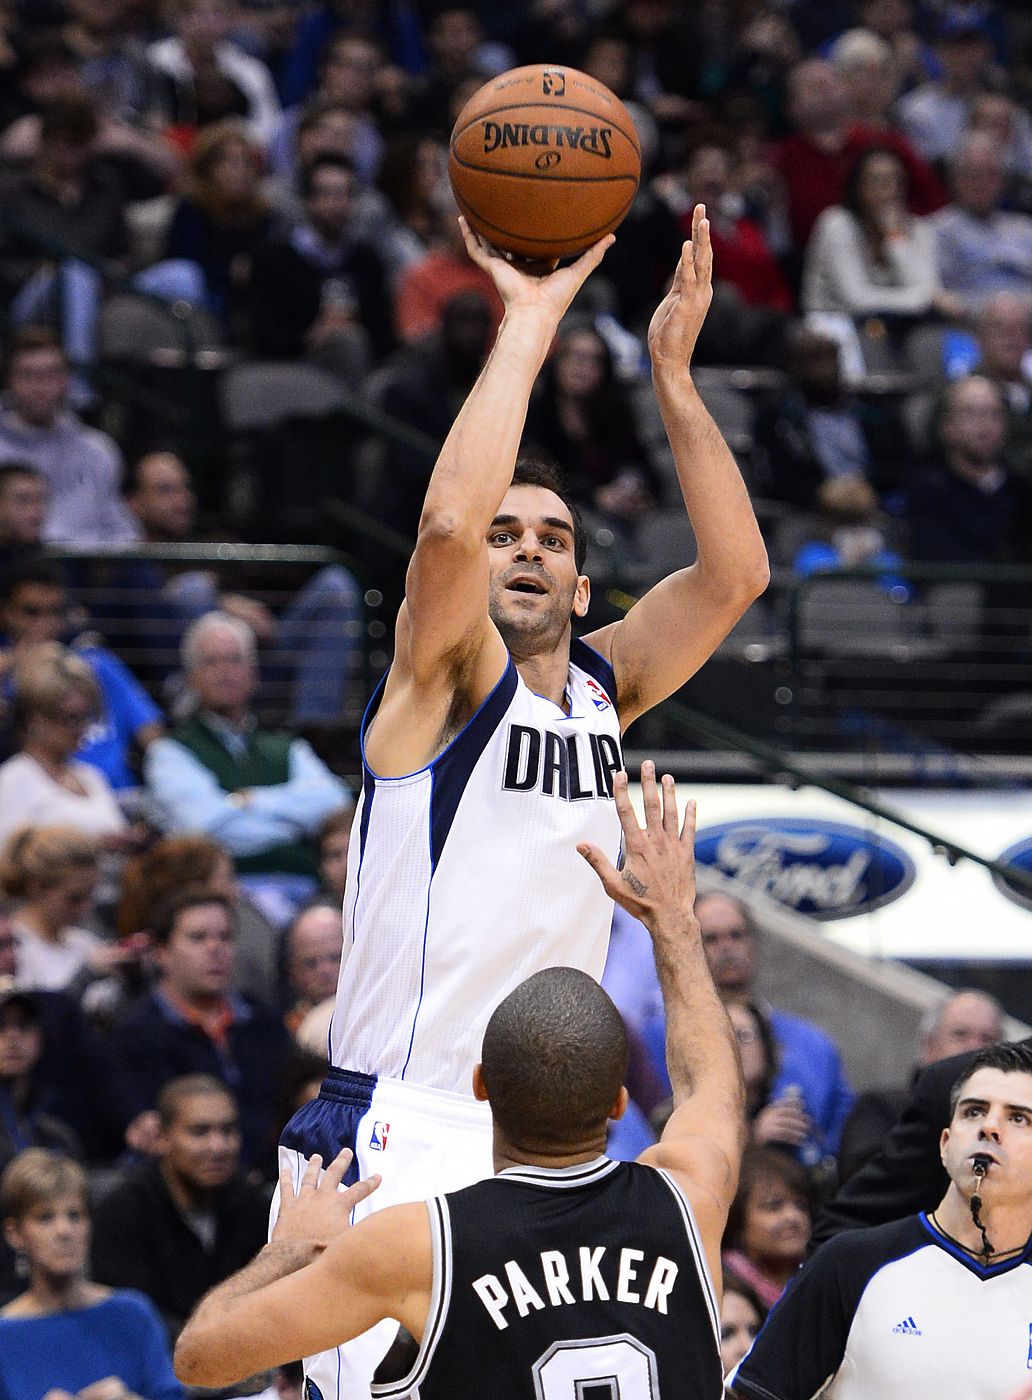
(361, 1189)
(688, 825)
(337, 1169)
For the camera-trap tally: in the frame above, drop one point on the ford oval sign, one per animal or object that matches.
(824, 869)
(1021, 857)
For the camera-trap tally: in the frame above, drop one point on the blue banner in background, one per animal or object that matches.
(825, 869)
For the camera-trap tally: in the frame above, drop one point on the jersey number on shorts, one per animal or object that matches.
(597, 1368)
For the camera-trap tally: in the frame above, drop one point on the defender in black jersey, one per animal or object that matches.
(566, 1276)
(938, 1304)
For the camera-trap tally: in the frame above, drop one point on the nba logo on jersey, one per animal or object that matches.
(378, 1140)
(599, 697)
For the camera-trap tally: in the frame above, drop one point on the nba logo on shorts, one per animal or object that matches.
(599, 698)
(553, 83)
(378, 1140)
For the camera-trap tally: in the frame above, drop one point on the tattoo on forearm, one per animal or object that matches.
(636, 885)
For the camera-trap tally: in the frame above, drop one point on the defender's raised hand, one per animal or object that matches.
(657, 880)
(552, 292)
(320, 1210)
(678, 318)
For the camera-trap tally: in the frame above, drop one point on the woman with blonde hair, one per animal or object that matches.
(52, 872)
(57, 698)
(65, 1335)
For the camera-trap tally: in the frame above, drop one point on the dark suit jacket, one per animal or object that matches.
(907, 1175)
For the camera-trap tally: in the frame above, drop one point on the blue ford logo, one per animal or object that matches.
(1020, 856)
(824, 869)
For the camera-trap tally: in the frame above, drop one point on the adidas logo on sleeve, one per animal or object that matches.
(908, 1328)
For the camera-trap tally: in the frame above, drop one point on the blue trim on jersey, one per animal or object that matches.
(596, 665)
(979, 1270)
(449, 773)
(331, 1121)
(452, 768)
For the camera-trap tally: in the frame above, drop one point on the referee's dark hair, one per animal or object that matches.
(1010, 1056)
(554, 1059)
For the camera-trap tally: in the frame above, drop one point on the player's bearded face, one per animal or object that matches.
(529, 605)
(535, 586)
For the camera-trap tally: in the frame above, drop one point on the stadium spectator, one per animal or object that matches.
(35, 610)
(981, 248)
(334, 843)
(777, 1121)
(223, 218)
(67, 1336)
(69, 221)
(314, 943)
(850, 534)
(399, 28)
(454, 40)
(868, 68)
(263, 795)
(82, 466)
(741, 1317)
(51, 872)
(740, 249)
(314, 641)
(967, 1020)
(320, 293)
(24, 503)
(443, 272)
(1004, 339)
(581, 416)
(268, 29)
(934, 115)
(815, 431)
(208, 77)
(28, 1113)
(1009, 126)
(894, 21)
(868, 256)
(967, 507)
(423, 384)
(324, 128)
(965, 1257)
(413, 171)
(192, 1022)
(769, 1223)
(349, 71)
(815, 160)
(178, 1225)
(57, 699)
(809, 1066)
(151, 877)
(112, 63)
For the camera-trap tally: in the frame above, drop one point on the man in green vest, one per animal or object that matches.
(262, 793)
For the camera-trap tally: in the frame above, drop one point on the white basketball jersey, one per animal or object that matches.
(464, 877)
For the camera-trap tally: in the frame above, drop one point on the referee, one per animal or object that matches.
(939, 1303)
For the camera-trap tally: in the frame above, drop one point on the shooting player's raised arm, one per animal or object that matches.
(445, 622)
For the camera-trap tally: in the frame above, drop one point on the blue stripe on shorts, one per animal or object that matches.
(331, 1121)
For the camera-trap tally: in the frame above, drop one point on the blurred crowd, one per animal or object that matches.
(172, 867)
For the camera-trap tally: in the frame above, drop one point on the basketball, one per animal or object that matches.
(544, 162)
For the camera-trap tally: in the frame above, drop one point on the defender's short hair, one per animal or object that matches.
(1010, 1056)
(539, 470)
(554, 1059)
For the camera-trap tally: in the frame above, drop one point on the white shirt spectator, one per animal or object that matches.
(841, 274)
(29, 796)
(248, 74)
(48, 966)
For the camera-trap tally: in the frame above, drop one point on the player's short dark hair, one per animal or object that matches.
(1010, 1056)
(554, 1059)
(169, 1102)
(539, 470)
(167, 912)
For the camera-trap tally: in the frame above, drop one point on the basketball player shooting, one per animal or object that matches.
(566, 1274)
(490, 751)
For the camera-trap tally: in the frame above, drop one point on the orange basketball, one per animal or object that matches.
(544, 161)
